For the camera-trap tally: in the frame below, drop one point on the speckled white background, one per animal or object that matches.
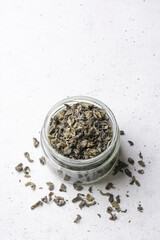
(53, 49)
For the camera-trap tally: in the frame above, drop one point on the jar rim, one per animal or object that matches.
(80, 162)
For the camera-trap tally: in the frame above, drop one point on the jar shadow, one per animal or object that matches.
(120, 175)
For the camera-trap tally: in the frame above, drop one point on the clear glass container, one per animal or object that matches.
(80, 170)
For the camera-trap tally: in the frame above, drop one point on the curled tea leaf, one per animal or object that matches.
(141, 163)
(50, 185)
(33, 185)
(35, 142)
(42, 160)
(26, 170)
(89, 198)
(131, 161)
(44, 199)
(59, 202)
(109, 186)
(27, 156)
(130, 143)
(77, 218)
(39, 203)
(63, 188)
(19, 167)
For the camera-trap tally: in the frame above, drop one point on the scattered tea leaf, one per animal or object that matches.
(33, 185)
(67, 177)
(119, 167)
(99, 215)
(128, 173)
(27, 156)
(82, 204)
(140, 208)
(77, 198)
(26, 170)
(131, 161)
(27, 176)
(109, 209)
(19, 167)
(130, 143)
(113, 217)
(63, 188)
(122, 132)
(140, 155)
(77, 218)
(50, 185)
(141, 163)
(39, 203)
(44, 199)
(59, 202)
(77, 186)
(90, 189)
(50, 196)
(118, 199)
(42, 160)
(109, 186)
(89, 198)
(141, 171)
(116, 206)
(91, 204)
(35, 142)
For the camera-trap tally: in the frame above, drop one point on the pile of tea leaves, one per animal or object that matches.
(86, 200)
(80, 131)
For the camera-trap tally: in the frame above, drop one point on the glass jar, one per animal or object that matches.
(79, 170)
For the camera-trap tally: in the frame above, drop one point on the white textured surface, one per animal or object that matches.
(53, 49)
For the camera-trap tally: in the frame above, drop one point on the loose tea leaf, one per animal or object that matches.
(39, 203)
(81, 131)
(27, 176)
(63, 188)
(77, 186)
(91, 204)
(128, 173)
(90, 189)
(109, 186)
(99, 215)
(44, 199)
(59, 202)
(33, 185)
(89, 198)
(122, 132)
(26, 170)
(42, 160)
(130, 143)
(50, 185)
(141, 171)
(134, 180)
(77, 218)
(113, 217)
(59, 197)
(19, 167)
(140, 208)
(131, 161)
(109, 209)
(35, 142)
(140, 155)
(50, 196)
(118, 199)
(141, 163)
(27, 155)
(77, 198)
(116, 206)
(82, 204)
(67, 177)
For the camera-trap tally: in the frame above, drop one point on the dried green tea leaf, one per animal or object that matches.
(128, 173)
(35, 142)
(141, 171)
(130, 143)
(140, 208)
(42, 160)
(77, 186)
(77, 198)
(59, 202)
(82, 204)
(109, 186)
(50, 185)
(27, 176)
(99, 215)
(44, 199)
(118, 199)
(33, 185)
(89, 198)
(63, 188)
(19, 167)
(131, 161)
(26, 170)
(50, 196)
(134, 180)
(109, 209)
(27, 156)
(141, 163)
(67, 177)
(77, 218)
(91, 204)
(140, 155)
(113, 217)
(116, 206)
(39, 203)
(90, 189)
(122, 132)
